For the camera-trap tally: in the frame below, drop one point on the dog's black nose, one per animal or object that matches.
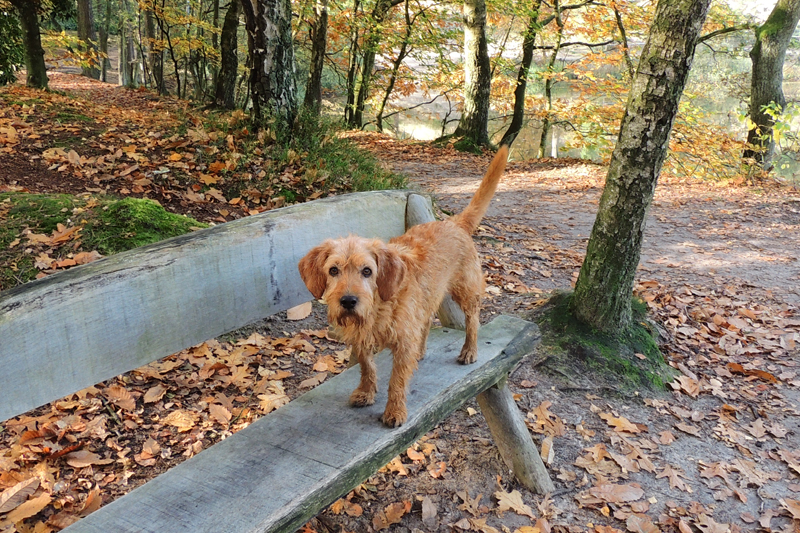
(348, 302)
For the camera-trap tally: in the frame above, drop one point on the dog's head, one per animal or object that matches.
(350, 273)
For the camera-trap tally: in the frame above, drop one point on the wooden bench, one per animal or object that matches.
(91, 323)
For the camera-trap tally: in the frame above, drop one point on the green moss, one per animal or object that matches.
(133, 222)
(628, 361)
(106, 225)
(467, 145)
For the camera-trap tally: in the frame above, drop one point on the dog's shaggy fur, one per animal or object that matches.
(383, 295)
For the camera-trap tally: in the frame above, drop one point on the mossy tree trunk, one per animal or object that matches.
(604, 288)
(474, 123)
(318, 32)
(34, 53)
(766, 86)
(272, 83)
(225, 90)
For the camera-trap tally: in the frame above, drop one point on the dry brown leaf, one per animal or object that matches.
(674, 475)
(480, 525)
(219, 413)
(513, 501)
(793, 506)
(120, 397)
(154, 394)
(93, 502)
(29, 508)
(183, 420)
(270, 402)
(313, 381)
(391, 514)
(612, 493)
(429, 511)
(637, 523)
(299, 312)
(621, 424)
(414, 455)
(84, 458)
(12, 497)
(437, 470)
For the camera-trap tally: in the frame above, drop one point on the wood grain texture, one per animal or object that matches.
(284, 468)
(93, 322)
(420, 211)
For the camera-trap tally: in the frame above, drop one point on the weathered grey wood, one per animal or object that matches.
(513, 439)
(419, 211)
(77, 328)
(283, 469)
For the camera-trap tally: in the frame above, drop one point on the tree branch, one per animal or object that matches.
(722, 31)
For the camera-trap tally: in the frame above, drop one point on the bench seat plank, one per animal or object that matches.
(284, 468)
(77, 328)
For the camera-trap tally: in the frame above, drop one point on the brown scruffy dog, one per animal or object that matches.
(383, 295)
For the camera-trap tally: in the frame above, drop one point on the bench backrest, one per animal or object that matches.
(80, 327)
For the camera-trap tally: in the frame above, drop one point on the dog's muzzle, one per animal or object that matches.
(348, 302)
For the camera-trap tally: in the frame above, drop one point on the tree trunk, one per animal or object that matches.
(604, 288)
(528, 44)
(319, 41)
(474, 123)
(156, 58)
(371, 45)
(104, 30)
(272, 84)
(34, 53)
(548, 86)
(88, 36)
(352, 68)
(766, 86)
(225, 93)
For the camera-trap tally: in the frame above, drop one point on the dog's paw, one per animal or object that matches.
(394, 416)
(359, 398)
(468, 356)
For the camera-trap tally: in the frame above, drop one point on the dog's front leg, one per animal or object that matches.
(404, 363)
(365, 392)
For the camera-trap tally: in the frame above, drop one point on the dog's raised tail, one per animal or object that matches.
(472, 215)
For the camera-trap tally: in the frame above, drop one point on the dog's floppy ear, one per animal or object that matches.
(391, 271)
(311, 269)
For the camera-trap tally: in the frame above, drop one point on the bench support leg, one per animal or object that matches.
(512, 438)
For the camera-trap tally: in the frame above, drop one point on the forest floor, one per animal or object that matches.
(719, 271)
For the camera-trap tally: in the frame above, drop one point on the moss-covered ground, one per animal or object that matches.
(628, 362)
(40, 231)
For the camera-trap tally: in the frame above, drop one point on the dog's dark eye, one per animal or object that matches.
(334, 271)
(366, 272)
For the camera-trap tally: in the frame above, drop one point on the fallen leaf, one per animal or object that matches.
(313, 381)
(299, 312)
(183, 420)
(429, 511)
(391, 514)
(793, 506)
(620, 424)
(84, 458)
(638, 523)
(29, 508)
(120, 397)
(12, 497)
(154, 394)
(512, 501)
(219, 413)
(612, 493)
